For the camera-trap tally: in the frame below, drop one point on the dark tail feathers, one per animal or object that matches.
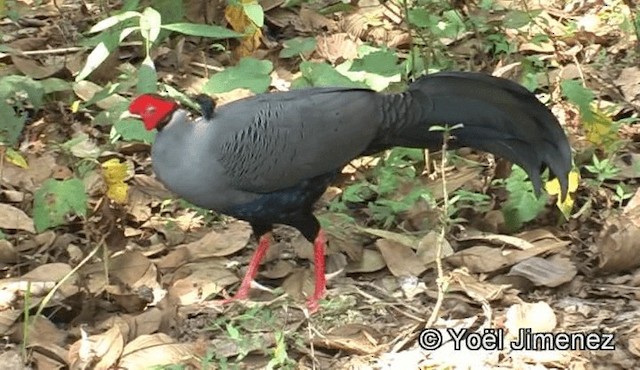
(499, 117)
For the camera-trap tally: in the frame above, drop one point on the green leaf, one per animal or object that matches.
(298, 46)
(12, 84)
(12, 124)
(322, 74)
(112, 21)
(421, 17)
(55, 200)
(255, 12)
(202, 30)
(171, 10)
(249, 74)
(150, 24)
(109, 43)
(131, 130)
(383, 63)
(522, 205)
(147, 77)
(520, 18)
(51, 85)
(578, 95)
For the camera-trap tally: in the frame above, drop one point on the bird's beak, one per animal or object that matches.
(126, 114)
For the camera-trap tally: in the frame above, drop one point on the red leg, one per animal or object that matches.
(252, 270)
(320, 282)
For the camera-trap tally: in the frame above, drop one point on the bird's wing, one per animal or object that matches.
(274, 141)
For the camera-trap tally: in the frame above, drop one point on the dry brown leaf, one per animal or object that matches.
(154, 350)
(41, 332)
(8, 253)
(220, 243)
(427, 248)
(486, 259)
(548, 272)
(479, 259)
(351, 338)
(8, 319)
(299, 284)
(40, 168)
(480, 291)
(312, 21)
(371, 261)
(337, 47)
(52, 356)
(206, 279)
(399, 238)
(134, 270)
(619, 242)
(278, 270)
(240, 22)
(11, 359)
(498, 239)
(634, 343)
(400, 259)
(204, 11)
(36, 69)
(628, 83)
(454, 181)
(43, 278)
(104, 349)
(627, 163)
(13, 218)
(150, 186)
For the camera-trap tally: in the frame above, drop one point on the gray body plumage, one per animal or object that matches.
(256, 158)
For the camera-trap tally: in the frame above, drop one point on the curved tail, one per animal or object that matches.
(498, 116)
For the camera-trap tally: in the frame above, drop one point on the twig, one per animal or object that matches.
(68, 50)
(206, 66)
(440, 282)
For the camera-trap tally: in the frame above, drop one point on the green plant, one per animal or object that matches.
(55, 200)
(604, 170)
(148, 23)
(522, 205)
(622, 193)
(21, 97)
(466, 199)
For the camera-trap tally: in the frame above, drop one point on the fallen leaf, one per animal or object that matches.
(102, 349)
(204, 280)
(154, 350)
(220, 243)
(401, 259)
(12, 218)
(547, 272)
(351, 338)
(371, 261)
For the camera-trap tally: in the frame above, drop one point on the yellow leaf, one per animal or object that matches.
(114, 173)
(16, 158)
(235, 15)
(553, 188)
(118, 192)
(75, 106)
(600, 130)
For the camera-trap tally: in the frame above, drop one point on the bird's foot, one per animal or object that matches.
(313, 303)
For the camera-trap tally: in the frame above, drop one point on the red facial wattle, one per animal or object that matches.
(152, 109)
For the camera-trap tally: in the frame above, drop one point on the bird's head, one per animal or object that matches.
(154, 110)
